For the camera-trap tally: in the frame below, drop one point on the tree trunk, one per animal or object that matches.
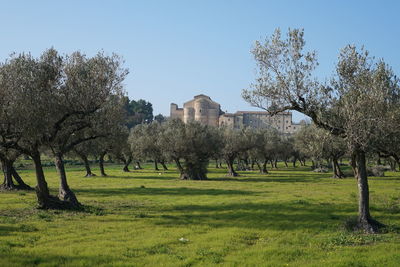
(45, 201)
(276, 164)
(365, 222)
(126, 164)
(180, 168)
(165, 168)
(216, 164)
(64, 193)
(194, 171)
(87, 166)
(138, 165)
(294, 162)
(8, 183)
(21, 184)
(264, 167)
(101, 163)
(231, 170)
(337, 172)
(285, 161)
(303, 162)
(156, 166)
(258, 166)
(246, 164)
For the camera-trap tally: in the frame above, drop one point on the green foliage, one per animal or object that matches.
(137, 112)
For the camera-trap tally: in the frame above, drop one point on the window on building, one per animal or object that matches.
(287, 121)
(294, 128)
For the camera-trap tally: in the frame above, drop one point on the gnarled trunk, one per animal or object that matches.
(165, 168)
(246, 164)
(21, 184)
(64, 192)
(8, 183)
(42, 191)
(195, 171)
(264, 167)
(126, 164)
(87, 166)
(180, 168)
(365, 222)
(337, 172)
(101, 164)
(156, 166)
(231, 170)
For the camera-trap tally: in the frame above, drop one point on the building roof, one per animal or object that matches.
(228, 115)
(261, 112)
(201, 96)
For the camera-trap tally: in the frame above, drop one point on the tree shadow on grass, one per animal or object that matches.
(180, 191)
(5, 230)
(302, 178)
(21, 259)
(384, 178)
(277, 216)
(131, 176)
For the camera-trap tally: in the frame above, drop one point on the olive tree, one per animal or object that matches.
(28, 85)
(265, 149)
(121, 149)
(144, 143)
(193, 143)
(7, 159)
(389, 147)
(319, 144)
(53, 98)
(83, 151)
(235, 142)
(353, 105)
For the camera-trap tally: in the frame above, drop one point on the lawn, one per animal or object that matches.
(290, 217)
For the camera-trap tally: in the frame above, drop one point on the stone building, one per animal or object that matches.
(260, 119)
(201, 109)
(208, 112)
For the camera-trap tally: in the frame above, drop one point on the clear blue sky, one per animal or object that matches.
(177, 49)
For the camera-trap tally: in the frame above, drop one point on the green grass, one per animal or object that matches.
(290, 217)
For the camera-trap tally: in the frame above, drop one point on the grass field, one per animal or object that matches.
(290, 217)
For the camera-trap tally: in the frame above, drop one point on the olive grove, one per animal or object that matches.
(352, 105)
